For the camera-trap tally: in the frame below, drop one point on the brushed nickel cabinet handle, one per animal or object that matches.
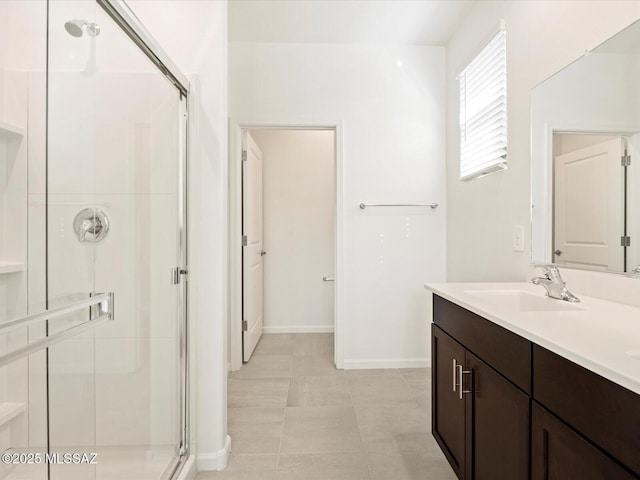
(461, 372)
(454, 374)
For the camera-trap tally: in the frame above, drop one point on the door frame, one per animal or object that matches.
(236, 127)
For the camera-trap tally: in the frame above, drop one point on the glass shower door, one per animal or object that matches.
(114, 204)
(23, 414)
(71, 189)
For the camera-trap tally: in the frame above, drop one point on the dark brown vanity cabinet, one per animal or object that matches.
(606, 415)
(505, 408)
(480, 418)
(498, 425)
(559, 453)
(448, 411)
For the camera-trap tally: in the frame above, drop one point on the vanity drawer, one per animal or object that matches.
(505, 351)
(604, 412)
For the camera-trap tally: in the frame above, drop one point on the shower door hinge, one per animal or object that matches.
(626, 160)
(177, 273)
(245, 325)
(244, 155)
(245, 240)
(625, 241)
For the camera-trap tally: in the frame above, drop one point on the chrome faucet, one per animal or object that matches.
(554, 284)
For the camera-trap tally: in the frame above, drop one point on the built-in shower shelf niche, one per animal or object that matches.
(9, 129)
(11, 267)
(10, 410)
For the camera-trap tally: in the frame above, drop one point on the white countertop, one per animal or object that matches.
(599, 335)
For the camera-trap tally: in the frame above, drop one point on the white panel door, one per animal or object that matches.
(589, 207)
(252, 252)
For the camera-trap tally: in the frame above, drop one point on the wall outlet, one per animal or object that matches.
(518, 238)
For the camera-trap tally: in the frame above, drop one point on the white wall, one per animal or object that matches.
(299, 228)
(482, 213)
(391, 102)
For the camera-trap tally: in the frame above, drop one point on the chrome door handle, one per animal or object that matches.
(328, 279)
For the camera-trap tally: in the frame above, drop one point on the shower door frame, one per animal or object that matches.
(124, 17)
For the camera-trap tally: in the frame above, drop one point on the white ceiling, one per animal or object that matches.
(412, 22)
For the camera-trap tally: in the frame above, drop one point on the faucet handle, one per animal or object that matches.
(553, 274)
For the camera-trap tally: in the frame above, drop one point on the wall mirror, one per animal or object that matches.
(585, 162)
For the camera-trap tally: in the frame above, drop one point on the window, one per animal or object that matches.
(483, 111)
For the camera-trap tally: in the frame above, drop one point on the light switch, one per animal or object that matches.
(518, 238)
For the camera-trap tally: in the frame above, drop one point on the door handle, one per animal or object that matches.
(328, 279)
(262, 253)
(558, 252)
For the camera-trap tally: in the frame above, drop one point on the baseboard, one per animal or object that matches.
(189, 470)
(210, 462)
(299, 329)
(387, 363)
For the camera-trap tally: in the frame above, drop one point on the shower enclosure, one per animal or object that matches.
(93, 277)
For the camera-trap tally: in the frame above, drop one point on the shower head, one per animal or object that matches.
(75, 28)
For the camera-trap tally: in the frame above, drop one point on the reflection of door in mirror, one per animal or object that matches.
(633, 205)
(589, 201)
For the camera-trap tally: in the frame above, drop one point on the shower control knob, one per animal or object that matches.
(91, 225)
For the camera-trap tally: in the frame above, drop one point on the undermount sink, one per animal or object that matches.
(519, 301)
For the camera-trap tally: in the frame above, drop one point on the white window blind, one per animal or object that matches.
(483, 111)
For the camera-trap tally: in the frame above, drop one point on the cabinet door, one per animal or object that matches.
(602, 411)
(448, 411)
(558, 453)
(497, 425)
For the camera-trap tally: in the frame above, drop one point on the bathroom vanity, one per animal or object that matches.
(525, 386)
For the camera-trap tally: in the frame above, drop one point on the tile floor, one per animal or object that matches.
(113, 463)
(293, 416)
